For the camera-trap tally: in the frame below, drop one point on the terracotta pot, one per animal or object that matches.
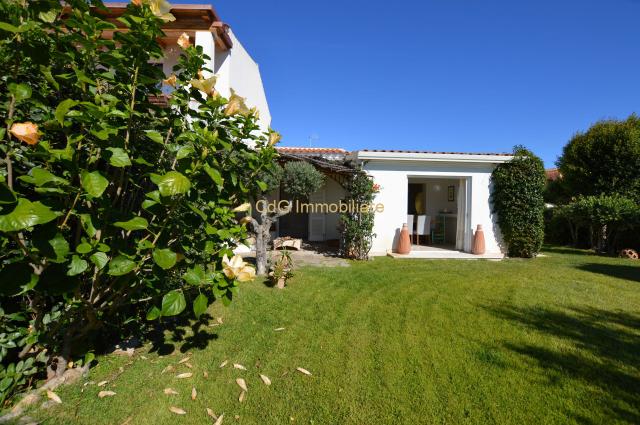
(404, 243)
(281, 283)
(478, 241)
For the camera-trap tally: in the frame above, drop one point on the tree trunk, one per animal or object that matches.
(262, 229)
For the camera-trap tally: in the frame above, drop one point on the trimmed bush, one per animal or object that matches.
(517, 199)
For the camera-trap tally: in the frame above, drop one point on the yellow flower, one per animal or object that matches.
(183, 40)
(274, 137)
(206, 85)
(171, 81)
(242, 208)
(26, 132)
(237, 269)
(161, 9)
(236, 105)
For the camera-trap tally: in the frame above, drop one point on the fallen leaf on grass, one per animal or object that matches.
(177, 410)
(242, 396)
(189, 365)
(103, 394)
(219, 320)
(223, 364)
(219, 420)
(305, 371)
(167, 369)
(239, 366)
(265, 379)
(242, 384)
(170, 391)
(205, 374)
(53, 396)
(278, 329)
(210, 413)
(184, 375)
(186, 359)
(194, 393)
(102, 383)
(143, 357)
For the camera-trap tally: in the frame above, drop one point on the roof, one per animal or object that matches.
(434, 152)
(553, 174)
(407, 155)
(311, 151)
(189, 18)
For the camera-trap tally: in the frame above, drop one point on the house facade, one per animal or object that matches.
(443, 194)
(229, 61)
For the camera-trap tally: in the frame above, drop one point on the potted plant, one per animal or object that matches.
(280, 270)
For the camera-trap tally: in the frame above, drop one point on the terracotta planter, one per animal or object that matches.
(281, 282)
(404, 243)
(478, 241)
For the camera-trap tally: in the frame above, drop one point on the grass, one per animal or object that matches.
(553, 340)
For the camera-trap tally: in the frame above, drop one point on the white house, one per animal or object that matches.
(229, 61)
(451, 190)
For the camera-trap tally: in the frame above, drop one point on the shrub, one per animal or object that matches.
(111, 208)
(603, 160)
(603, 217)
(517, 199)
(357, 225)
(301, 179)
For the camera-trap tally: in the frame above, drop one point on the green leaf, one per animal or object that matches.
(214, 174)
(83, 248)
(200, 305)
(100, 259)
(77, 266)
(153, 313)
(121, 265)
(20, 91)
(46, 71)
(262, 185)
(8, 27)
(136, 223)
(155, 136)
(60, 246)
(40, 177)
(7, 196)
(26, 214)
(87, 224)
(165, 258)
(119, 157)
(184, 151)
(88, 358)
(63, 108)
(173, 303)
(94, 183)
(173, 183)
(195, 276)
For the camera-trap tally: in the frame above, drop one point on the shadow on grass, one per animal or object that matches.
(199, 337)
(606, 354)
(621, 271)
(566, 250)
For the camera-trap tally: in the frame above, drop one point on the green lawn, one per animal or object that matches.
(550, 340)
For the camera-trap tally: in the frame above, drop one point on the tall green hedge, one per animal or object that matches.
(517, 200)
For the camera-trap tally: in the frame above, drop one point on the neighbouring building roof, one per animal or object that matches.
(328, 154)
(553, 174)
(189, 18)
(432, 156)
(435, 152)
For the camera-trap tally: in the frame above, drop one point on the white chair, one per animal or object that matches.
(424, 226)
(410, 226)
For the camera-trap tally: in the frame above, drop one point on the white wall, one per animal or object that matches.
(393, 178)
(234, 68)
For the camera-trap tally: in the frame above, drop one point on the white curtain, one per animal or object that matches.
(460, 225)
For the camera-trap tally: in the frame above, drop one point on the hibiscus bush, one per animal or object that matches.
(113, 210)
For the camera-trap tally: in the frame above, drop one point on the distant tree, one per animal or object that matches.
(299, 179)
(603, 160)
(517, 199)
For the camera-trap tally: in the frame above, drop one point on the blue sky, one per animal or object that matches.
(445, 75)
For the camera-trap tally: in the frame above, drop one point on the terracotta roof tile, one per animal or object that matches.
(553, 174)
(301, 150)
